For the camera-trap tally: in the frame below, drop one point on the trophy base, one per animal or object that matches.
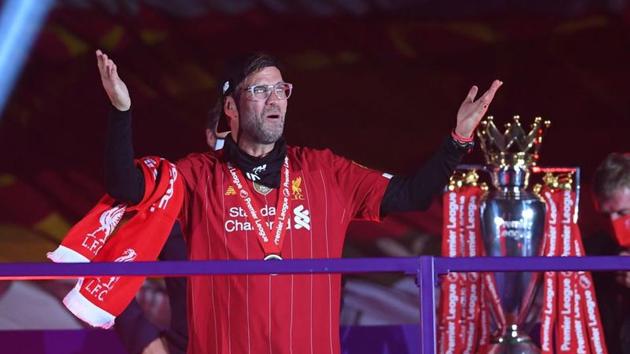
(513, 342)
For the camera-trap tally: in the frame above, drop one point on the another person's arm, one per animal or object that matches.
(135, 330)
(177, 333)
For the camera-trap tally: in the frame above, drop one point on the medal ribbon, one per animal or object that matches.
(574, 313)
(271, 237)
(548, 312)
(462, 278)
(451, 309)
(589, 312)
(461, 292)
(484, 322)
(473, 249)
(580, 344)
(566, 280)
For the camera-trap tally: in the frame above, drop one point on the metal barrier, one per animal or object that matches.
(425, 268)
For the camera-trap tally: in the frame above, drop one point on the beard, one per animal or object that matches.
(263, 130)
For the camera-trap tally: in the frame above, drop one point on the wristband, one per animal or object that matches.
(461, 139)
(461, 143)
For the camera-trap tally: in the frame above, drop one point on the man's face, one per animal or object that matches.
(261, 121)
(617, 205)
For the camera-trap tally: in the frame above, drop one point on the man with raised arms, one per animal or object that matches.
(259, 198)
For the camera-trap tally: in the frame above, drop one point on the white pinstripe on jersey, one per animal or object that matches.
(327, 256)
(227, 256)
(214, 310)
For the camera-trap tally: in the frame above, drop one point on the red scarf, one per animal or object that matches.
(98, 300)
(570, 320)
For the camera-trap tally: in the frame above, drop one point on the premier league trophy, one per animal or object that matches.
(512, 225)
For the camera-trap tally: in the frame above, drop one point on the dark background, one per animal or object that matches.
(376, 81)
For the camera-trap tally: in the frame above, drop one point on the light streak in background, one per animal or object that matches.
(20, 22)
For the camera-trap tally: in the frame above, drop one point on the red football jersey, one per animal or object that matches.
(278, 314)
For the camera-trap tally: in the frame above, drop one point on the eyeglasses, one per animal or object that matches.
(282, 90)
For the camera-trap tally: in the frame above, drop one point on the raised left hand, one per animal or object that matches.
(470, 112)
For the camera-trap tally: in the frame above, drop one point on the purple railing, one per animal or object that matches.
(425, 268)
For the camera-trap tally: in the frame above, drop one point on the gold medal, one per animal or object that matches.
(262, 189)
(272, 257)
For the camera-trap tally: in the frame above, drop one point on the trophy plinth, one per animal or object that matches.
(512, 225)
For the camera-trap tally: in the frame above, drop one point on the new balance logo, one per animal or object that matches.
(252, 177)
(259, 169)
(230, 191)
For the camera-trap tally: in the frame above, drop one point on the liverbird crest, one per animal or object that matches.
(513, 147)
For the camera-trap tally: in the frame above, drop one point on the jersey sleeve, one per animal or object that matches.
(361, 188)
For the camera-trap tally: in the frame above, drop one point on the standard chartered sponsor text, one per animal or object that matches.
(237, 220)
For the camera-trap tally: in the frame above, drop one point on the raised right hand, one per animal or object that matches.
(112, 83)
(471, 111)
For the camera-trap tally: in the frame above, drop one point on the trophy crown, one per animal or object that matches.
(513, 147)
(558, 181)
(465, 178)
